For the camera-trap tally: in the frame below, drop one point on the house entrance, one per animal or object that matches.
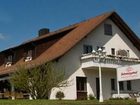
(97, 88)
(81, 85)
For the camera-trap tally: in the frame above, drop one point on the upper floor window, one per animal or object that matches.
(123, 53)
(107, 29)
(8, 60)
(28, 55)
(87, 49)
(128, 55)
(113, 51)
(103, 48)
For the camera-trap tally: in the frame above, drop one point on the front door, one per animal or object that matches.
(81, 85)
(97, 88)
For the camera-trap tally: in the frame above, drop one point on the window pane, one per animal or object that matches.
(113, 51)
(112, 84)
(108, 29)
(9, 58)
(81, 84)
(128, 85)
(87, 49)
(121, 85)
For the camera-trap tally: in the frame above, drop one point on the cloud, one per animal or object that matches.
(2, 37)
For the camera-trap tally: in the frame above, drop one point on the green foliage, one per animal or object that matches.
(39, 80)
(91, 97)
(60, 95)
(67, 102)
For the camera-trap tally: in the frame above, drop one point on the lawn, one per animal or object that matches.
(62, 102)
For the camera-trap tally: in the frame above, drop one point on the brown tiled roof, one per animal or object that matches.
(79, 31)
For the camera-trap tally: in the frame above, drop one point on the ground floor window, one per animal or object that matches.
(128, 85)
(121, 85)
(81, 84)
(113, 84)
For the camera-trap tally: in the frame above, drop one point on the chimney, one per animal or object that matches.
(43, 31)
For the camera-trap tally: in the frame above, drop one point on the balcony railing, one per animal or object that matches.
(109, 59)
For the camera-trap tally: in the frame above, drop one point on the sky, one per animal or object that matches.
(20, 20)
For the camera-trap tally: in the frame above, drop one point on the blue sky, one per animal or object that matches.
(21, 19)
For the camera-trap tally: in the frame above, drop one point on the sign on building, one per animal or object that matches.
(128, 73)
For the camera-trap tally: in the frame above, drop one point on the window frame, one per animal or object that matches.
(113, 84)
(129, 85)
(81, 84)
(87, 49)
(113, 51)
(121, 84)
(9, 58)
(108, 30)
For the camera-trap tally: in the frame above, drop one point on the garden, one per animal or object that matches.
(68, 102)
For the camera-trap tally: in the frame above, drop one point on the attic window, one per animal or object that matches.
(8, 60)
(107, 29)
(28, 55)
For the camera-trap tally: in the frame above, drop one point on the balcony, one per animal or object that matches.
(91, 60)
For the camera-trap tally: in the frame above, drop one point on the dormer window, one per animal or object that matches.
(8, 60)
(107, 29)
(28, 55)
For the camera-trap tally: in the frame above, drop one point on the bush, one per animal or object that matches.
(91, 97)
(60, 95)
(117, 98)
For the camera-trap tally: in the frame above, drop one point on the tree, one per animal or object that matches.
(39, 80)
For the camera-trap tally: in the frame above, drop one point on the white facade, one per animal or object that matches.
(77, 66)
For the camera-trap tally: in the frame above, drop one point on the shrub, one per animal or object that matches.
(117, 98)
(91, 97)
(60, 95)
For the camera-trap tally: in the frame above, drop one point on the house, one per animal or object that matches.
(90, 51)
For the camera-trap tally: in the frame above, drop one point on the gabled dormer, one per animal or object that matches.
(9, 58)
(29, 53)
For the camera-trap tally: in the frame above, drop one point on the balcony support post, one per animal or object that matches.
(118, 85)
(13, 91)
(100, 84)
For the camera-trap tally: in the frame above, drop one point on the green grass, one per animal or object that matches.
(62, 102)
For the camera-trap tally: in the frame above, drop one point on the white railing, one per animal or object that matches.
(110, 59)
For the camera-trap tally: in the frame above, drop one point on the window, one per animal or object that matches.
(122, 53)
(87, 49)
(107, 29)
(128, 85)
(113, 84)
(113, 51)
(8, 60)
(128, 53)
(121, 85)
(28, 55)
(103, 48)
(81, 84)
